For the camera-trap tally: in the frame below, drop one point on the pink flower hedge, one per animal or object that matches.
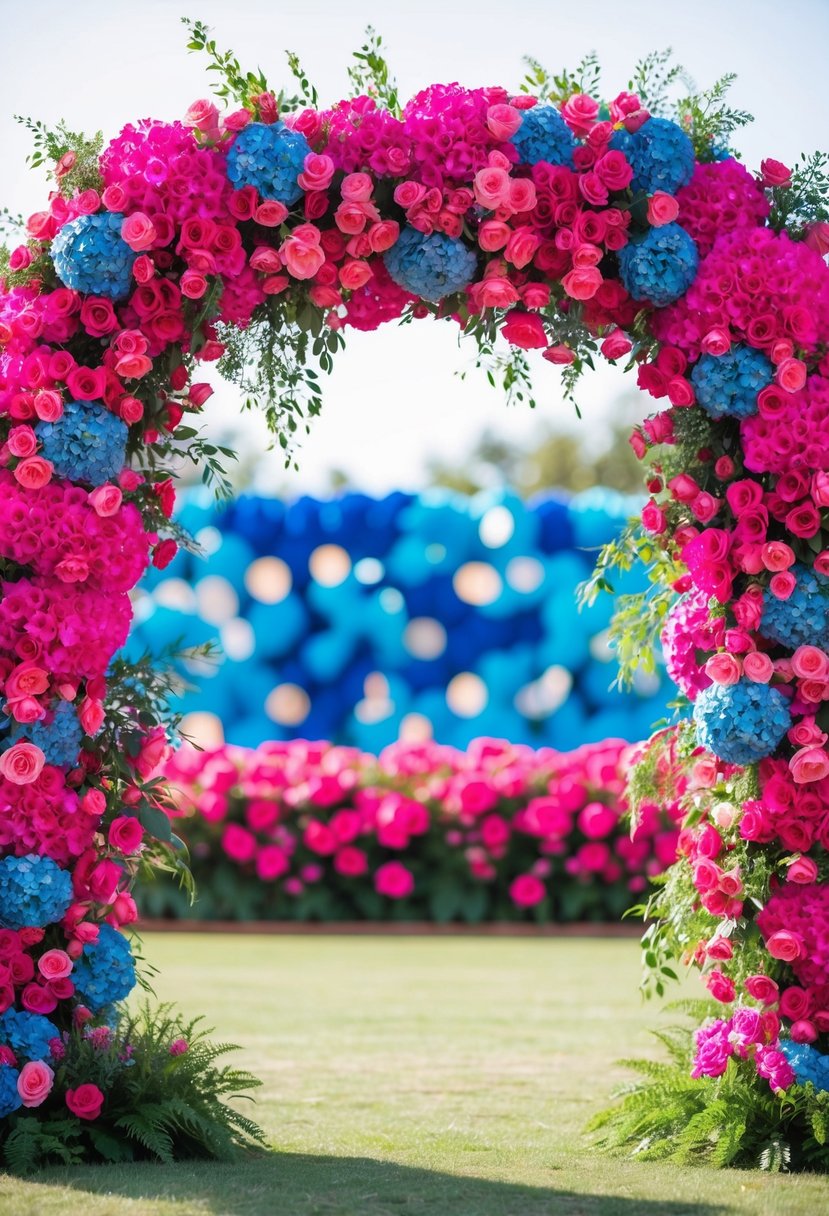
(304, 830)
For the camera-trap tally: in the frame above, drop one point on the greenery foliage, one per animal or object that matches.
(161, 1105)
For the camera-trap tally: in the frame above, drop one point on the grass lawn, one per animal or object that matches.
(416, 1077)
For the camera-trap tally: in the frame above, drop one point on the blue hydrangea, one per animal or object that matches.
(91, 256)
(34, 891)
(59, 740)
(743, 722)
(544, 135)
(105, 972)
(10, 1100)
(28, 1034)
(807, 1063)
(430, 266)
(802, 619)
(728, 384)
(661, 267)
(269, 157)
(87, 443)
(660, 154)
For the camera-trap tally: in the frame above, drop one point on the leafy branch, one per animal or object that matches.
(709, 120)
(370, 73)
(232, 81)
(806, 200)
(585, 78)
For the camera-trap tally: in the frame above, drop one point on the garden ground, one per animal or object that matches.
(416, 1077)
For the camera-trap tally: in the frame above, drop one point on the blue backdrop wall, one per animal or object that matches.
(359, 619)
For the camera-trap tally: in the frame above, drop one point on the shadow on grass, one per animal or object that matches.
(298, 1184)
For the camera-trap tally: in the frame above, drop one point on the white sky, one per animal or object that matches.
(394, 400)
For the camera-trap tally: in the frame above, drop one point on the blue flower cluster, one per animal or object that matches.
(105, 972)
(91, 256)
(661, 267)
(431, 266)
(59, 740)
(660, 154)
(28, 1034)
(34, 891)
(808, 1064)
(10, 1099)
(269, 157)
(802, 619)
(544, 135)
(743, 722)
(87, 443)
(728, 384)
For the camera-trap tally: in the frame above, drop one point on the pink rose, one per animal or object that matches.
(582, 284)
(525, 330)
(785, 945)
(22, 763)
(616, 345)
(761, 988)
(580, 112)
(134, 367)
(723, 668)
(85, 1101)
(775, 173)
(138, 231)
(409, 194)
(791, 374)
(354, 273)
(394, 880)
(382, 235)
(106, 500)
(801, 870)
(34, 472)
(125, 834)
(662, 209)
(809, 764)
(720, 986)
(716, 342)
(271, 213)
(527, 890)
(521, 247)
(782, 585)
(817, 237)
(35, 1083)
(522, 194)
(559, 354)
(810, 663)
(493, 235)
(758, 667)
(54, 965)
(48, 405)
(317, 173)
(357, 187)
(202, 114)
(301, 252)
(503, 121)
(492, 187)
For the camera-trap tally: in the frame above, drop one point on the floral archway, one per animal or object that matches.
(540, 220)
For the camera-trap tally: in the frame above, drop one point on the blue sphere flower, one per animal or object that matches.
(87, 443)
(802, 619)
(430, 266)
(743, 722)
(807, 1063)
(660, 154)
(59, 740)
(105, 972)
(728, 384)
(269, 157)
(544, 135)
(34, 891)
(661, 267)
(10, 1099)
(91, 256)
(28, 1034)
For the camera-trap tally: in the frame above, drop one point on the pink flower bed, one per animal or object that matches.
(304, 830)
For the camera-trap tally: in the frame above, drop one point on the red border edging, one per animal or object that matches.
(357, 928)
